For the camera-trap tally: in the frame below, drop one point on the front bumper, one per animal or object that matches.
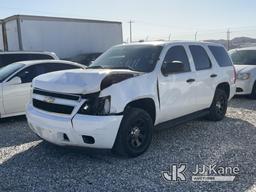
(244, 87)
(67, 130)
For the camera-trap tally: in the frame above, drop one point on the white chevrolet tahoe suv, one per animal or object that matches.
(116, 102)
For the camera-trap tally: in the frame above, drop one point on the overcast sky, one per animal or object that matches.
(153, 19)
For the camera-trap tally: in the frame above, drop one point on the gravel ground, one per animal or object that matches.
(29, 164)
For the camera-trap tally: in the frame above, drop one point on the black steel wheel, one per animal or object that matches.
(219, 106)
(135, 133)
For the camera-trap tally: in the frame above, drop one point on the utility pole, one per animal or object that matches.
(228, 39)
(131, 22)
(169, 37)
(196, 36)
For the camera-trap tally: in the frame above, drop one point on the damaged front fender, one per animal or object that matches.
(122, 93)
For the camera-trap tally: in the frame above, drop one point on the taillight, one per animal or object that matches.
(234, 73)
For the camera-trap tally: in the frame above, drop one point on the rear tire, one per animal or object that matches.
(135, 133)
(219, 106)
(253, 94)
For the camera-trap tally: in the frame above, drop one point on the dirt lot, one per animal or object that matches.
(29, 164)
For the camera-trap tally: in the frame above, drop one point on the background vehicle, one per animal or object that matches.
(245, 63)
(15, 82)
(7, 58)
(85, 59)
(67, 37)
(129, 89)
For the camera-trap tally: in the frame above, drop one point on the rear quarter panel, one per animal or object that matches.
(225, 74)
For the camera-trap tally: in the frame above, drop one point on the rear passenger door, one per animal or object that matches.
(176, 90)
(205, 76)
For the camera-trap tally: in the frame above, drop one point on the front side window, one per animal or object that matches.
(200, 57)
(8, 70)
(177, 54)
(142, 58)
(29, 73)
(221, 56)
(243, 57)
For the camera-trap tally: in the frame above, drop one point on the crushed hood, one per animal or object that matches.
(78, 81)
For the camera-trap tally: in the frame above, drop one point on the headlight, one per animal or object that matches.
(243, 76)
(96, 106)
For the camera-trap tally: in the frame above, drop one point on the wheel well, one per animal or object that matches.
(225, 87)
(146, 104)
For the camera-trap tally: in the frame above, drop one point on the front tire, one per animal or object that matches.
(219, 106)
(135, 133)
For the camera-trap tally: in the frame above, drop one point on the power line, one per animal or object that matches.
(196, 35)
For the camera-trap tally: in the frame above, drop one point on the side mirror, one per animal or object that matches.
(172, 67)
(15, 81)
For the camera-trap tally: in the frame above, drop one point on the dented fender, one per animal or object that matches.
(139, 87)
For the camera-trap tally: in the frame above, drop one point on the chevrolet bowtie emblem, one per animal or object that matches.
(49, 99)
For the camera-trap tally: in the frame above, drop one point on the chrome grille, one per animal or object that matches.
(54, 102)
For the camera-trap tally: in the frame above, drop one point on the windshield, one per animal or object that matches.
(140, 58)
(8, 70)
(243, 57)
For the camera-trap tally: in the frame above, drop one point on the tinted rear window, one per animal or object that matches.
(221, 56)
(200, 57)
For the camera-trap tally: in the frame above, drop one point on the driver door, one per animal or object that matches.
(176, 90)
(16, 96)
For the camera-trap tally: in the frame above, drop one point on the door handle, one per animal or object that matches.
(191, 80)
(213, 75)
